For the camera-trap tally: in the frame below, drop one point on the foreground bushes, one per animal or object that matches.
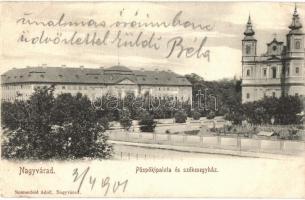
(125, 119)
(196, 115)
(211, 115)
(180, 117)
(147, 122)
(45, 127)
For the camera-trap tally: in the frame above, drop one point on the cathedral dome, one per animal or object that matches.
(118, 68)
(295, 25)
(249, 32)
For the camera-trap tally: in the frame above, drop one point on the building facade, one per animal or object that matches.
(278, 72)
(117, 81)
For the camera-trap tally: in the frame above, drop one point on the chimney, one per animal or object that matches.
(63, 66)
(81, 67)
(27, 66)
(156, 69)
(142, 69)
(101, 67)
(44, 65)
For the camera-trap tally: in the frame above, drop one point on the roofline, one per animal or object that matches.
(274, 42)
(135, 73)
(271, 84)
(71, 83)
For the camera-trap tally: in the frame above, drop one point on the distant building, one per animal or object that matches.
(280, 71)
(117, 81)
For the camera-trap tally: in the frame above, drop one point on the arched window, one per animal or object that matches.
(297, 44)
(265, 72)
(273, 72)
(297, 70)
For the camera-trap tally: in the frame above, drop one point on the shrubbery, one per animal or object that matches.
(180, 117)
(196, 115)
(283, 110)
(147, 122)
(211, 115)
(125, 119)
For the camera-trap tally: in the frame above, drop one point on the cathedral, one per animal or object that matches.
(278, 72)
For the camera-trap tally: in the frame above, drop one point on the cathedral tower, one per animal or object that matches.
(277, 72)
(294, 58)
(249, 43)
(248, 61)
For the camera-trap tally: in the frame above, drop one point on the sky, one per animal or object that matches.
(228, 20)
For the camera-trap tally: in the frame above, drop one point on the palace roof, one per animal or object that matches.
(109, 76)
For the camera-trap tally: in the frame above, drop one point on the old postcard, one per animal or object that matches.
(152, 99)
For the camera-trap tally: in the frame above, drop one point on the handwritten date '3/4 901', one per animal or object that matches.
(105, 184)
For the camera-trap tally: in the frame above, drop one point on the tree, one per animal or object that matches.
(76, 109)
(55, 128)
(288, 109)
(35, 129)
(13, 114)
(147, 122)
(125, 119)
(227, 92)
(283, 110)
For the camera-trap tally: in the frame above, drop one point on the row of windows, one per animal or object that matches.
(68, 87)
(16, 87)
(248, 95)
(297, 45)
(273, 95)
(164, 88)
(74, 87)
(25, 96)
(19, 96)
(85, 87)
(170, 97)
(297, 70)
(274, 71)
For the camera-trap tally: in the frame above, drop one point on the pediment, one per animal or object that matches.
(274, 41)
(126, 81)
(276, 58)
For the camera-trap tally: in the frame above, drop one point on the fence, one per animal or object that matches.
(122, 155)
(220, 142)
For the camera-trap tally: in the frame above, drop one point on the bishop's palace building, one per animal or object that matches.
(278, 72)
